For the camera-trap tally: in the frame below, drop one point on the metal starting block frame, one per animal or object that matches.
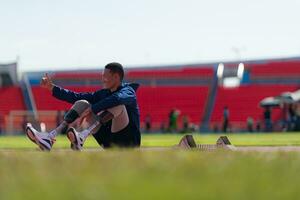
(188, 142)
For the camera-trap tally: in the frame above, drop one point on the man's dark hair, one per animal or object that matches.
(115, 67)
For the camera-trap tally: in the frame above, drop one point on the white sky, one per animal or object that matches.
(72, 34)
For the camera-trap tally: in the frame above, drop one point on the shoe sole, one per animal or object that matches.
(72, 138)
(32, 137)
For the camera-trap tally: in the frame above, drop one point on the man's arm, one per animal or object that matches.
(64, 94)
(70, 96)
(125, 96)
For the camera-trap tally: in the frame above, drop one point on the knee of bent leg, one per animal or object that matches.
(81, 105)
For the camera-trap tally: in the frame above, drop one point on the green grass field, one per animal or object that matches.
(26, 173)
(164, 140)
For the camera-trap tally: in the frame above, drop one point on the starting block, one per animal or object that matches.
(188, 142)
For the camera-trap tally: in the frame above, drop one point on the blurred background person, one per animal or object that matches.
(148, 123)
(225, 119)
(268, 119)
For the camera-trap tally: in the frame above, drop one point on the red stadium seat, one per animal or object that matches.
(243, 102)
(158, 102)
(182, 73)
(275, 69)
(11, 98)
(77, 75)
(45, 101)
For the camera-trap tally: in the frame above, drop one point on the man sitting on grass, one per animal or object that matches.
(112, 113)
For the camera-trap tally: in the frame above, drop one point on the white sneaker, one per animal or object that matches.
(77, 139)
(43, 140)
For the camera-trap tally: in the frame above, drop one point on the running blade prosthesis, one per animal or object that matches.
(188, 142)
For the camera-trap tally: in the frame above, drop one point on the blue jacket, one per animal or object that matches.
(104, 99)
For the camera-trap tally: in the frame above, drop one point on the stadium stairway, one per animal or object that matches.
(28, 103)
(208, 108)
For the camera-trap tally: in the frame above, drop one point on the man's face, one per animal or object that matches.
(109, 80)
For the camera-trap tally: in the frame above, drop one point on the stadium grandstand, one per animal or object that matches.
(199, 92)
